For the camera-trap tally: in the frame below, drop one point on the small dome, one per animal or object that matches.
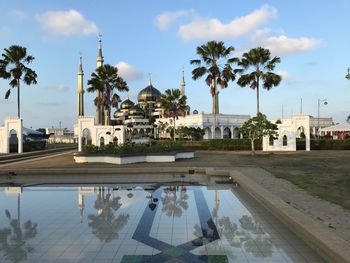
(149, 93)
(195, 112)
(127, 104)
(118, 113)
(136, 111)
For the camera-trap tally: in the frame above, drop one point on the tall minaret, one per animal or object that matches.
(99, 63)
(80, 88)
(183, 83)
(99, 60)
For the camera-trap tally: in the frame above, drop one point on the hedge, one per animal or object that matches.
(222, 144)
(330, 144)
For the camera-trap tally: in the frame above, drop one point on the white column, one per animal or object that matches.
(222, 132)
(20, 137)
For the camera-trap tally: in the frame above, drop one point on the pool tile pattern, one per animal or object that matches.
(168, 224)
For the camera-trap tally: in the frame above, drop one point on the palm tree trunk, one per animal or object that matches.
(18, 101)
(257, 100)
(174, 131)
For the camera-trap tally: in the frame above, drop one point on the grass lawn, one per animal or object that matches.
(325, 174)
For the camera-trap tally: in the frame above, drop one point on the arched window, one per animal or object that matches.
(285, 140)
(115, 140)
(86, 136)
(13, 141)
(102, 141)
(227, 133)
(271, 139)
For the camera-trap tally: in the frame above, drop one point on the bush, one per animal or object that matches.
(132, 148)
(222, 144)
(330, 144)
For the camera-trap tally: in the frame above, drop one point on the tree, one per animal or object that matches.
(106, 80)
(256, 128)
(174, 105)
(191, 132)
(348, 119)
(162, 126)
(214, 65)
(261, 65)
(13, 67)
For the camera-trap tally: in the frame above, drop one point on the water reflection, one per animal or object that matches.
(250, 235)
(13, 239)
(105, 225)
(174, 201)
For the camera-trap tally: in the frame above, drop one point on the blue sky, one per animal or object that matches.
(160, 37)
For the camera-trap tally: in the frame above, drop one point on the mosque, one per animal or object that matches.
(138, 121)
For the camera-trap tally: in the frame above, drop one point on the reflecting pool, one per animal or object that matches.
(148, 223)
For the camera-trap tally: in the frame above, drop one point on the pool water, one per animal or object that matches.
(142, 224)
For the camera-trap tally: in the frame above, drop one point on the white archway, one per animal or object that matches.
(227, 134)
(208, 133)
(13, 141)
(217, 133)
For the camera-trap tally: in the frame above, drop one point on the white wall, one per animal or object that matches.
(11, 124)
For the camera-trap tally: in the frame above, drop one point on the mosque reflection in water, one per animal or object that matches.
(140, 224)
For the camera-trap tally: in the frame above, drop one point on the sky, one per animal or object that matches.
(158, 38)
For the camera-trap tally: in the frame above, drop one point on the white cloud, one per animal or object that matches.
(284, 75)
(17, 15)
(66, 23)
(282, 44)
(60, 88)
(163, 20)
(128, 72)
(213, 28)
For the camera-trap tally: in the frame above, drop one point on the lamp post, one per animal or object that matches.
(347, 76)
(318, 115)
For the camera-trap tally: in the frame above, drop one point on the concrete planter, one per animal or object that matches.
(133, 158)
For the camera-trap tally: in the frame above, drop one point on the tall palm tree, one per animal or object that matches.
(174, 105)
(13, 67)
(258, 61)
(106, 80)
(214, 64)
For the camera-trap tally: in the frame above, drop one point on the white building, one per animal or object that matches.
(219, 126)
(60, 135)
(134, 121)
(298, 126)
(11, 131)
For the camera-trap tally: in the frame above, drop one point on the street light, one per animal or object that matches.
(318, 114)
(348, 75)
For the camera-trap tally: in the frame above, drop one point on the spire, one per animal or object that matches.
(183, 83)
(80, 69)
(99, 59)
(80, 87)
(150, 80)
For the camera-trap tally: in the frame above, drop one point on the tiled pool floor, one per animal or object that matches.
(164, 224)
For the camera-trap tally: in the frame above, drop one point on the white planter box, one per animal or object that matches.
(126, 159)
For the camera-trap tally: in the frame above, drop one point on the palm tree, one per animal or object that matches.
(13, 67)
(174, 105)
(214, 65)
(261, 65)
(106, 80)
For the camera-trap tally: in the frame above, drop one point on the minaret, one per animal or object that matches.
(99, 60)
(183, 83)
(99, 63)
(80, 88)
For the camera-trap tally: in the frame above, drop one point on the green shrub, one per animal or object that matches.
(132, 148)
(330, 144)
(222, 144)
